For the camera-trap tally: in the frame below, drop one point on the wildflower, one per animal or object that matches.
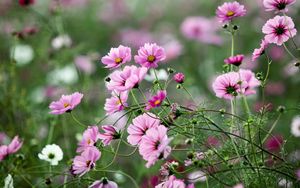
(89, 138)
(295, 127)
(86, 161)
(259, 51)
(26, 2)
(154, 145)
(149, 55)
(116, 103)
(103, 183)
(179, 77)
(227, 85)
(173, 49)
(139, 126)
(117, 57)
(66, 75)
(14, 145)
(61, 41)
(3, 152)
(230, 10)
(201, 29)
(85, 64)
(128, 78)
(156, 100)
(110, 133)
(235, 60)
(66, 103)
(22, 54)
(172, 182)
(249, 81)
(274, 143)
(51, 153)
(279, 29)
(277, 5)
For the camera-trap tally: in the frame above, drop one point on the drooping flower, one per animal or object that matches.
(150, 55)
(128, 78)
(139, 126)
(85, 161)
(249, 81)
(66, 103)
(235, 60)
(279, 29)
(201, 29)
(295, 126)
(26, 2)
(117, 57)
(103, 183)
(155, 145)
(172, 182)
(230, 10)
(116, 103)
(89, 138)
(51, 153)
(14, 146)
(227, 85)
(110, 133)
(156, 100)
(179, 77)
(277, 5)
(274, 143)
(259, 51)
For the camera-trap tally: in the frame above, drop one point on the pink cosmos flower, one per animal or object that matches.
(149, 55)
(173, 49)
(117, 57)
(277, 5)
(86, 161)
(226, 85)
(110, 133)
(201, 29)
(279, 29)
(235, 60)
(89, 138)
(126, 79)
(139, 126)
(274, 143)
(172, 182)
(179, 77)
(15, 145)
(135, 38)
(249, 81)
(116, 103)
(156, 100)
(230, 10)
(66, 103)
(154, 145)
(259, 51)
(85, 64)
(3, 152)
(103, 183)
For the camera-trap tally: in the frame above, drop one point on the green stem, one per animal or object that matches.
(271, 129)
(77, 121)
(246, 105)
(50, 135)
(289, 52)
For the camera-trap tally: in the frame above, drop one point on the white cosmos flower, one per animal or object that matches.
(61, 41)
(51, 153)
(161, 75)
(65, 75)
(22, 54)
(295, 127)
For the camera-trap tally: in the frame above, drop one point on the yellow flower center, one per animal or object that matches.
(119, 102)
(157, 102)
(151, 58)
(89, 141)
(66, 105)
(230, 13)
(118, 60)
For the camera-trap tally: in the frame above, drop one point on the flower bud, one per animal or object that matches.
(179, 77)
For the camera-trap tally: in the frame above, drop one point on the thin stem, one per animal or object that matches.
(77, 121)
(50, 135)
(189, 94)
(288, 51)
(271, 129)
(246, 105)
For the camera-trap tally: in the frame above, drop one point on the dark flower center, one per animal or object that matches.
(281, 5)
(156, 145)
(279, 30)
(151, 58)
(88, 163)
(51, 156)
(118, 60)
(231, 90)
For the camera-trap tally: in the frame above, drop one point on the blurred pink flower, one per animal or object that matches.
(290, 70)
(179, 77)
(156, 100)
(135, 38)
(150, 55)
(277, 5)
(275, 88)
(85, 161)
(213, 141)
(73, 3)
(26, 2)
(258, 106)
(3, 152)
(274, 143)
(259, 51)
(235, 60)
(279, 29)
(201, 29)
(116, 103)
(173, 49)
(110, 133)
(117, 57)
(172, 182)
(89, 138)
(238, 186)
(230, 10)
(3, 138)
(126, 79)
(298, 174)
(85, 64)
(66, 103)
(276, 52)
(14, 146)
(139, 127)
(251, 82)
(103, 183)
(108, 11)
(154, 145)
